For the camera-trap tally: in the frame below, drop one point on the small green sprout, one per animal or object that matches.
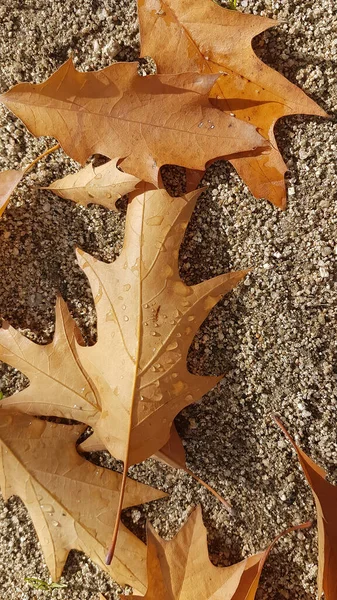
(40, 584)
(232, 4)
(1, 395)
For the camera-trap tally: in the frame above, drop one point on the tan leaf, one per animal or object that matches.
(72, 502)
(147, 318)
(102, 185)
(325, 496)
(132, 383)
(181, 570)
(151, 120)
(204, 37)
(8, 182)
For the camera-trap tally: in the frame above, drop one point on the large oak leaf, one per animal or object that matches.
(72, 503)
(151, 121)
(204, 37)
(132, 383)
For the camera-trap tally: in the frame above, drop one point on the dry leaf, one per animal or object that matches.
(72, 502)
(151, 120)
(132, 383)
(202, 36)
(325, 496)
(8, 182)
(102, 185)
(180, 569)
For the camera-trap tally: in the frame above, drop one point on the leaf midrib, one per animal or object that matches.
(141, 123)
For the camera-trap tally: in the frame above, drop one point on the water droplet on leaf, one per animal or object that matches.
(55, 523)
(172, 346)
(98, 295)
(47, 508)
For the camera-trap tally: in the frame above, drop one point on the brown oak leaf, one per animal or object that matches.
(148, 121)
(72, 502)
(100, 185)
(201, 36)
(132, 383)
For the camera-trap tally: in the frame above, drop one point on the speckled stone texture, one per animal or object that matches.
(274, 337)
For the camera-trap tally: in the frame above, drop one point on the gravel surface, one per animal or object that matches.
(274, 336)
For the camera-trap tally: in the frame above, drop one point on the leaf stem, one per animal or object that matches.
(225, 503)
(40, 157)
(112, 547)
(305, 525)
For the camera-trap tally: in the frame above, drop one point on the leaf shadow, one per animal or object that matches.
(39, 261)
(264, 47)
